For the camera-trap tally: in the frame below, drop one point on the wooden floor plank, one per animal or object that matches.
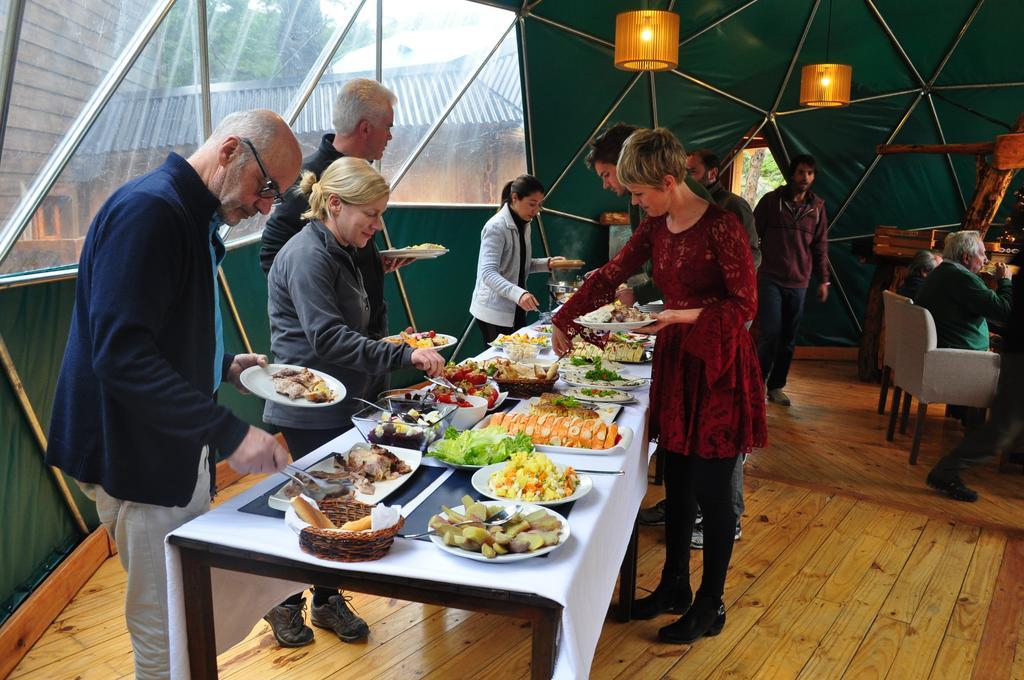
(849, 567)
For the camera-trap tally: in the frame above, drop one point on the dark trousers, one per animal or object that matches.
(300, 442)
(778, 316)
(491, 331)
(690, 480)
(1004, 429)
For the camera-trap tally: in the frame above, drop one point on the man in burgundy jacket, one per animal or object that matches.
(792, 225)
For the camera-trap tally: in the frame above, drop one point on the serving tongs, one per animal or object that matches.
(314, 487)
(445, 382)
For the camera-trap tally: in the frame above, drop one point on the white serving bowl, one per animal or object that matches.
(467, 416)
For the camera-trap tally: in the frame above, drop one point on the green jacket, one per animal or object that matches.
(648, 292)
(959, 301)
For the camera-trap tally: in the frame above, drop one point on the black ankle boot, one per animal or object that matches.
(672, 596)
(704, 619)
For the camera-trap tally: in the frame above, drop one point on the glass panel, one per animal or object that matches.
(261, 52)
(428, 52)
(481, 144)
(145, 119)
(65, 51)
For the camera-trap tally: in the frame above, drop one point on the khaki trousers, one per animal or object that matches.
(139, 530)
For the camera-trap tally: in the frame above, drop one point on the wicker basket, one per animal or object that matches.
(347, 546)
(524, 389)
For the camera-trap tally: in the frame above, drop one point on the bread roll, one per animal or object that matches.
(361, 524)
(311, 514)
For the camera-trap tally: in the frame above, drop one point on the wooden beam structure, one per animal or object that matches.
(993, 178)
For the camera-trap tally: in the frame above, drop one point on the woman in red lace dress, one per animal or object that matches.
(707, 398)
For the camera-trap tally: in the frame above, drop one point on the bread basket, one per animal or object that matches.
(347, 546)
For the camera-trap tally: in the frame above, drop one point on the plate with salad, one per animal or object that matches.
(601, 374)
(474, 449)
(604, 395)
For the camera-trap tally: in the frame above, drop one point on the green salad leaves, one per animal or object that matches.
(485, 446)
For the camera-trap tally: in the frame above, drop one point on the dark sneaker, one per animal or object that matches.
(288, 621)
(779, 397)
(653, 516)
(739, 532)
(337, 616)
(954, 488)
(697, 537)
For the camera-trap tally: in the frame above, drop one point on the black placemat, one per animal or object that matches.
(450, 493)
(422, 477)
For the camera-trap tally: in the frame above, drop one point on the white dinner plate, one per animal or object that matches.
(619, 397)
(449, 340)
(576, 379)
(526, 508)
(414, 253)
(260, 381)
(482, 476)
(613, 325)
(412, 458)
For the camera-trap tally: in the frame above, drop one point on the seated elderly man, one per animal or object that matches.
(959, 300)
(920, 267)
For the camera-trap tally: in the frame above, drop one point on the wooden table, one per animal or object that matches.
(198, 557)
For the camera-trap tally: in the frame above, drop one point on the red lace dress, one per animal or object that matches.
(707, 396)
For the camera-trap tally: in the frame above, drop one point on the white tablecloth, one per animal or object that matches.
(579, 575)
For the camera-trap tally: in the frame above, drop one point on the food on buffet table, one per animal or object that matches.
(533, 477)
(599, 394)
(521, 353)
(304, 384)
(361, 524)
(505, 369)
(375, 463)
(554, 404)
(618, 348)
(407, 424)
(485, 446)
(616, 312)
(600, 375)
(310, 514)
(422, 340)
(468, 371)
(543, 329)
(521, 338)
(526, 532)
(569, 431)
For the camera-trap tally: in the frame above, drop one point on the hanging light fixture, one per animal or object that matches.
(826, 85)
(646, 40)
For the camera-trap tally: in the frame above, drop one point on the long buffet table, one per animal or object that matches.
(227, 568)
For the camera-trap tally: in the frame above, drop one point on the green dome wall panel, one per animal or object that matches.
(926, 30)
(988, 52)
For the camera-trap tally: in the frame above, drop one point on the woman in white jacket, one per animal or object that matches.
(500, 299)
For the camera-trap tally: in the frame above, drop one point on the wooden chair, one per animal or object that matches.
(934, 376)
(891, 346)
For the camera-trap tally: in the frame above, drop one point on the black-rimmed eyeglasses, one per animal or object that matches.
(270, 188)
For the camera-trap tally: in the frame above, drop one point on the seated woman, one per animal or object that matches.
(959, 300)
(924, 262)
(500, 300)
(707, 398)
(319, 318)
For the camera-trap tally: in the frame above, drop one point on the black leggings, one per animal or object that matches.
(690, 480)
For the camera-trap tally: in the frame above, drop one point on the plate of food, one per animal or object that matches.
(293, 385)
(601, 375)
(420, 251)
(564, 434)
(600, 395)
(370, 472)
(534, 478)
(531, 532)
(474, 449)
(422, 340)
(554, 404)
(521, 339)
(543, 329)
(615, 317)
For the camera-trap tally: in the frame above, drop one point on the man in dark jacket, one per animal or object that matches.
(134, 418)
(703, 166)
(792, 225)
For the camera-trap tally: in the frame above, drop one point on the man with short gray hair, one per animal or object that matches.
(959, 300)
(135, 420)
